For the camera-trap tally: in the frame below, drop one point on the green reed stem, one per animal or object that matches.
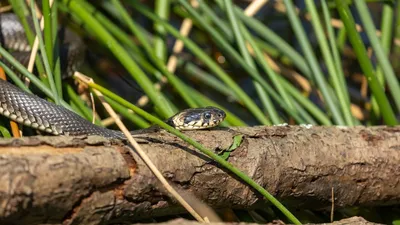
(45, 59)
(328, 59)
(121, 54)
(155, 58)
(240, 40)
(21, 69)
(312, 61)
(22, 12)
(162, 8)
(365, 63)
(4, 132)
(384, 64)
(190, 45)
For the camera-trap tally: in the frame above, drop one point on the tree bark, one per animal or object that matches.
(79, 180)
(349, 221)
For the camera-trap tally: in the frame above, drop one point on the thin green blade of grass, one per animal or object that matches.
(131, 48)
(235, 55)
(231, 52)
(265, 99)
(48, 32)
(341, 39)
(275, 40)
(4, 132)
(277, 83)
(204, 150)
(118, 33)
(365, 63)
(211, 81)
(200, 98)
(305, 102)
(227, 32)
(149, 49)
(125, 39)
(14, 77)
(329, 62)
(386, 31)
(272, 51)
(22, 12)
(161, 8)
(21, 69)
(273, 94)
(392, 81)
(116, 9)
(134, 118)
(267, 103)
(211, 65)
(134, 70)
(54, 22)
(219, 23)
(155, 58)
(268, 70)
(335, 50)
(45, 59)
(396, 49)
(55, 47)
(207, 79)
(308, 119)
(312, 61)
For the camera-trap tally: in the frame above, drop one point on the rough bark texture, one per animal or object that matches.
(349, 221)
(92, 180)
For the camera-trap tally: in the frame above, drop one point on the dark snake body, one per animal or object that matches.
(42, 115)
(13, 38)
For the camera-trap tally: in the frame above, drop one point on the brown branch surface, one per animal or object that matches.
(78, 180)
(349, 221)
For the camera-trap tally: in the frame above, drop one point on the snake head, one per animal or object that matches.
(197, 118)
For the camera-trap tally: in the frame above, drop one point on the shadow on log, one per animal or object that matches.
(91, 180)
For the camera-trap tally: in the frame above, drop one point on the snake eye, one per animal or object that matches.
(207, 115)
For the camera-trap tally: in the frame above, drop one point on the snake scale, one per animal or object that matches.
(42, 115)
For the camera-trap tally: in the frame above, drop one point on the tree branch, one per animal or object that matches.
(92, 180)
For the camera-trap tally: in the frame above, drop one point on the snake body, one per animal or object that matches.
(42, 115)
(13, 38)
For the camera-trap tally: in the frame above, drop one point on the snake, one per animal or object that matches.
(37, 113)
(13, 38)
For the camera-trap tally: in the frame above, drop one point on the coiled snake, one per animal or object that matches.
(40, 114)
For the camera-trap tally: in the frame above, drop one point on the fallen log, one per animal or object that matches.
(91, 180)
(352, 221)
